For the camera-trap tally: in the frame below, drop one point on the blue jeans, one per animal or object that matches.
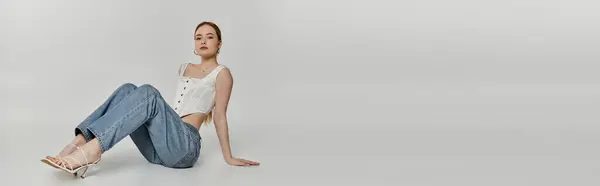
(159, 133)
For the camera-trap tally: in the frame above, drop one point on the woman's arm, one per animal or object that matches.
(223, 88)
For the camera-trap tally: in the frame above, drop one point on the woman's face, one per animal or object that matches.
(206, 41)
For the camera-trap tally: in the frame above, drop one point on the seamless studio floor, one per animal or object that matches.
(367, 93)
(381, 144)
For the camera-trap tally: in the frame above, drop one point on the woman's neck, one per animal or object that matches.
(209, 61)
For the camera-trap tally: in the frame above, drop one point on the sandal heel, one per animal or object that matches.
(84, 172)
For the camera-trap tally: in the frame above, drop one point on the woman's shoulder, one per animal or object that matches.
(223, 70)
(223, 73)
(181, 67)
(223, 67)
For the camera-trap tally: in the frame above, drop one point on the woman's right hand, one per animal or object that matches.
(241, 162)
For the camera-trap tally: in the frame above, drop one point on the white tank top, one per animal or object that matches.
(195, 95)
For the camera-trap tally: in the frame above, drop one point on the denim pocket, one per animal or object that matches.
(191, 157)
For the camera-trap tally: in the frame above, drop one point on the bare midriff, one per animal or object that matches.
(194, 119)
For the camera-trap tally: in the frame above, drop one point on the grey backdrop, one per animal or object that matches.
(366, 92)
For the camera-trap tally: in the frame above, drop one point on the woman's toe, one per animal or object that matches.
(50, 158)
(56, 161)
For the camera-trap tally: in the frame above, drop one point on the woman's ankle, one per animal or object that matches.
(93, 148)
(79, 140)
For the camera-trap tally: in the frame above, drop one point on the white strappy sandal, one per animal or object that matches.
(70, 169)
(48, 160)
(72, 145)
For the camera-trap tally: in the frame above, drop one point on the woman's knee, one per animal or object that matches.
(127, 87)
(147, 88)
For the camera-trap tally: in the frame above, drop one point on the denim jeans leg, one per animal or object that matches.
(143, 142)
(113, 100)
(145, 107)
(194, 149)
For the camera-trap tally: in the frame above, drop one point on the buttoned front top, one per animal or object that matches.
(195, 95)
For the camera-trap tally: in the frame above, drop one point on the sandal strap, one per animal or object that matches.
(78, 162)
(84, 155)
(65, 163)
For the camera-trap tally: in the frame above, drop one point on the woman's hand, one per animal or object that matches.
(241, 162)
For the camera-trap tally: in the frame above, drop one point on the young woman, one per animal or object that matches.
(164, 134)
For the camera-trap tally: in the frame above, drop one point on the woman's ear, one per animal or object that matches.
(219, 47)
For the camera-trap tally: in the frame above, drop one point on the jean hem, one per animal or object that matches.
(84, 132)
(99, 138)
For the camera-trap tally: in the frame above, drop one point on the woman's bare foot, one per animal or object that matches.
(88, 153)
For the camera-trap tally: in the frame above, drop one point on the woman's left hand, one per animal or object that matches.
(241, 162)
